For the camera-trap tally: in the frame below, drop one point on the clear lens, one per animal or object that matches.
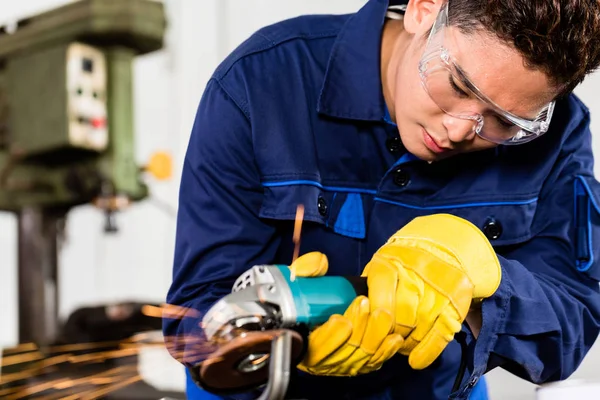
(440, 77)
(456, 99)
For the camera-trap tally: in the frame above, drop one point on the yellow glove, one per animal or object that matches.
(356, 343)
(427, 275)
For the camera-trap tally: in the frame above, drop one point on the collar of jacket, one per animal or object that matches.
(352, 85)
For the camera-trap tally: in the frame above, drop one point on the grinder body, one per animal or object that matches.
(317, 298)
(267, 297)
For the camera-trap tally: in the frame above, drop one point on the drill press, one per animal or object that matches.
(66, 132)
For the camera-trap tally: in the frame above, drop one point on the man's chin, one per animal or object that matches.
(422, 152)
(429, 156)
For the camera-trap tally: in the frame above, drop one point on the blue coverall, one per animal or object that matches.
(296, 115)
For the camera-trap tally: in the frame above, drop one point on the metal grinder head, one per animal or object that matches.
(245, 327)
(246, 362)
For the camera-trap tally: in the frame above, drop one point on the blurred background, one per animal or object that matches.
(126, 256)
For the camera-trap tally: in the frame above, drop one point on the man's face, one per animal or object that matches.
(497, 70)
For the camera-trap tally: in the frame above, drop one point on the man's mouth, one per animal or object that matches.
(433, 144)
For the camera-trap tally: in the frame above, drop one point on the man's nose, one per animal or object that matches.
(459, 129)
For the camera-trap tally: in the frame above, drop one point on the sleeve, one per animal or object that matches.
(219, 234)
(545, 316)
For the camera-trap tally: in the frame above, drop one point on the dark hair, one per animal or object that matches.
(559, 37)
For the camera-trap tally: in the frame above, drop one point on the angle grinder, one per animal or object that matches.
(260, 330)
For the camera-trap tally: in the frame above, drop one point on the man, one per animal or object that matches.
(439, 153)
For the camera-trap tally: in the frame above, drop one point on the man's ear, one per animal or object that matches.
(420, 15)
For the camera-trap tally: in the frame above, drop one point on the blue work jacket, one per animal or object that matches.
(296, 115)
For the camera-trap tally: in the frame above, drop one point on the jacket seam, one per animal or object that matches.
(272, 44)
(241, 107)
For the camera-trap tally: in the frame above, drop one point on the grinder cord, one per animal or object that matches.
(461, 338)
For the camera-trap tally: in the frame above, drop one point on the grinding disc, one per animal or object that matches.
(221, 372)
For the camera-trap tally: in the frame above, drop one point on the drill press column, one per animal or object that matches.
(39, 235)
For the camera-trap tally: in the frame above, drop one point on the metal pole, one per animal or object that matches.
(38, 236)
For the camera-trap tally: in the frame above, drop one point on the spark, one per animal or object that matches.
(296, 238)
(58, 372)
(21, 349)
(21, 358)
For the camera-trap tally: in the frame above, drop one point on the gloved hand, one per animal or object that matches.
(427, 275)
(355, 343)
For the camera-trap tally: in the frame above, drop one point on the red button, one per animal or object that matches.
(98, 122)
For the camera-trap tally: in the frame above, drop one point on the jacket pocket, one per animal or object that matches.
(341, 211)
(281, 201)
(587, 226)
(504, 222)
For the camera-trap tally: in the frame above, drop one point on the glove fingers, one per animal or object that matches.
(428, 309)
(383, 282)
(358, 315)
(395, 289)
(367, 369)
(350, 359)
(319, 371)
(410, 292)
(436, 340)
(326, 339)
(310, 265)
(352, 344)
(387, 350)
(353, 366)
(379, 326)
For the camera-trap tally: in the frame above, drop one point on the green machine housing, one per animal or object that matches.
(66, 103)
(67, 134)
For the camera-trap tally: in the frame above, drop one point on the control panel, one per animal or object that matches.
(86, 99)
(58, 102)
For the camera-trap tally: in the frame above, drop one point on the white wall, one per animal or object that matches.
(136, 263)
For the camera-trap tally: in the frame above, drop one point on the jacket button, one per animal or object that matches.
(401, 177)
(393, 144)
(492, 229)
(322, 206)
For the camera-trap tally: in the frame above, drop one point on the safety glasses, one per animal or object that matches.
(450, 88)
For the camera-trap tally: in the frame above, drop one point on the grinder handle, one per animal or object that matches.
(359, 283)
(318, 298)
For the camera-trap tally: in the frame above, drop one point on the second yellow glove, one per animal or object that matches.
(358, 342)
(427, 275)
